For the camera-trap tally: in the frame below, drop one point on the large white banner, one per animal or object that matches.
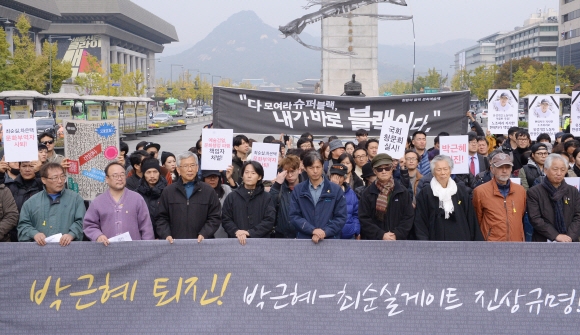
(544, 115)
(502, 110)
(456, 147)
(216, 151)
(267, 155)
(575, 114)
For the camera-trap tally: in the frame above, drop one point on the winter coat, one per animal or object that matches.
(21, 193)
(430, 223)
(500, 219)
(8, 213)
(352, 226)
(398, 218)
(221, 233)
(281, 196)
(328, 214)
(528, 174)
(151, 195)
(237, 164)
(543, 218)
(252, 211)
(183, 218)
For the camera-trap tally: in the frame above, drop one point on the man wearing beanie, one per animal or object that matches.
(535, 167)
(151, 186)
(118, 210)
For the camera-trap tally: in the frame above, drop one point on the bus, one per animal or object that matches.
(173, 107)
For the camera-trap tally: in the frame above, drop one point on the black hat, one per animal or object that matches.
(544, 101)
(42, 147)
(504, 95)
(539, 146)
(208, 173)
(151, 145)
(149, 163)
(165, 155)
(338, 169)
(367, 170)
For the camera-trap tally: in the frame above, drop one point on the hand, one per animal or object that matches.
(199, 238)
(65, 240)
(357, 237)
(389, 237)
(65, 164)
(315, 239)
(40, 239)
(4, 166)
(103, 239)
(241, 235)
(320, 233)
(121, 159)
(487, 133)
(229, 172)
(170, 239)
(281, 177)
(402, 165)
(36, 165)
(335, 179)
(563, 238)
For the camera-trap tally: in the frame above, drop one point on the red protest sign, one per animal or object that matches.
(94, 152)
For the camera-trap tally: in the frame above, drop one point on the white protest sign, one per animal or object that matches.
(544, 115)
(516, 181)
(502, 110)
(393, 138)
(216, 151)
(456, 148)
(575, 114)
(63, 113)
(20, 143)
(267, 155)
(573, 181)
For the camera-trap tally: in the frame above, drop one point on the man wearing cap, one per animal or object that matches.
(502, 105)
(117, 211)
(544, 110)
(351, 228)
(152, 148)
(336, 149)
(535, 167)
(500, 204)
(385, 208)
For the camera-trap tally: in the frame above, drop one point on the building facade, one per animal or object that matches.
(482, 53)
(569, 43)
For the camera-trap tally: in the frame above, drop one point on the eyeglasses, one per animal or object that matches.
(381, 169)
(47, 142)
(412, 159)
(187, 167)
(117, 176)
(57, 178)
(543, 153)
(360, 156)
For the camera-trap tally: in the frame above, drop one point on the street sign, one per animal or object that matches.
(116, 84)
(557, 90)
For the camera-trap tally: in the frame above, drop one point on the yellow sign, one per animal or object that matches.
(63, 113)
(141, 110)
(129, 112)
(94, 113)
(112, 112)
(20, 112)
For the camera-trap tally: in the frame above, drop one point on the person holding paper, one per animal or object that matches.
(249, 211)
(477, 162)
(553, 205)
(318, 207)
(118, 210)
(188, 208)
(52, 211)
(444, 211)
(385, 207)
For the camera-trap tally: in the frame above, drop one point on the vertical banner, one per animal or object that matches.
(19, 112)
(503, 110)
(267, 155)
(90, 146)
(216, 152)
(112, 112)
(19, 136)
(94, 113)
(393, 138)
(456, 148)
(129, 111)
(575, 114)
(63, 113)
(141, 110)
(544, 115)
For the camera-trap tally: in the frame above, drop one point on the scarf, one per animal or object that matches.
(444, 195)
(383, 198)
(557, 198)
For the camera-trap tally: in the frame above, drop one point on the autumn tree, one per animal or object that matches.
(8, 71)
(482, 80)
(92, 81)
(396, 87)
(30, 69)
(61, 71)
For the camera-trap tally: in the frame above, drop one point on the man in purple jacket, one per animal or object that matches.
(117, 211)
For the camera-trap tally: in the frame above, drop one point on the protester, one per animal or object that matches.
(500, 204)
(569, 147)
(351, 229)
(214, 179)
(48, 139)
(553, 205)
(351, 178)
(52, 211)
(444, 211)
(304, 143)
(140, 145)
(241, 150)
(349, 148)
(559, 149)
(123, 154)
(482, 146)
(576, 157)
(188, 209)
(151, 187)
(42, 153)
(385, 208)
(512, 144)
(152, 148)
(118, 210)
(168, 161)
(249, 212)
(360, 159)
(336, 149)
(8, 214)
(318, 207)
(11, 171)
(530, 172)
(477, 162)
(372, 147)
(281, 192)
(519, 154)
(135, 175)
(361, 135)
(410, 172)
(419, 141)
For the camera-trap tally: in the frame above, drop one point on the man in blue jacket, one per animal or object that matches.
(318, 207)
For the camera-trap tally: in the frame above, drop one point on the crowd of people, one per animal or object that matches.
(515, 191)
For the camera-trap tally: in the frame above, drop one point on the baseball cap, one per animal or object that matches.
(501, 159)
(381, 159)
(338, 169)
(151, 145)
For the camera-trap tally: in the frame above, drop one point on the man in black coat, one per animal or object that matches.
(151, 186)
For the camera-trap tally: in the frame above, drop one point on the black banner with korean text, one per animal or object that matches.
(290, 286)
(263, 112)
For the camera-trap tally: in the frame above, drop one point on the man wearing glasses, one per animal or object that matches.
(48, 140)
(535, 167)
(55, 210)
(188, 208)
(118, 210)
(386, 207)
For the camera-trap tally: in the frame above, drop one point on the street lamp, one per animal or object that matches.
(212, 79)
(50, 37)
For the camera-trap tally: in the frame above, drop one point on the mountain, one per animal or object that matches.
(244, 47)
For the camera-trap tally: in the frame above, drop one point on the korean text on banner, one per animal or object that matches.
(20, 143)
(19, 112)
(575, 114)
(129, 112)
(94, 113)
(63, 113)
(217, 149)
(112, 112)
(503, 110)
(267, 155)
(141, 110)
(393, 138)
(456, 147)
(544, 115)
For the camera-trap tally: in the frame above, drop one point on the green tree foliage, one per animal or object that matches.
(461, 81)
(92, 81)
(61, 71)
(396, 87)
(30, 68)
(7, 69)
(482, 81)
(433, 80)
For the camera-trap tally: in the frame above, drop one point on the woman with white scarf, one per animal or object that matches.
(444, 211)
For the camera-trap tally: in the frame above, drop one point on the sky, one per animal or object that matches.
(436, 21)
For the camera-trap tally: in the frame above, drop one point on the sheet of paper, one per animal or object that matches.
(393, 138)
(267, 155)
(20, 142)
(516, 181)
(216, 151)
(54, 238)
(121, 238)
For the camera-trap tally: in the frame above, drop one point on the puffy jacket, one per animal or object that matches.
(21, 192)
(254, 213)
(500, 219)
(528, 174)
(398, 218)
(352, 226)
(151, 195)
(281, 196)
(8, 213)
(328, 214)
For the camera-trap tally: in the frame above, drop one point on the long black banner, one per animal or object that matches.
(290, 286)
(263, 112)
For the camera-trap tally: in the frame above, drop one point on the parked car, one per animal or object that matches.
(46, 125)
(207, 110)
(162, 117)
(521, 115)
(481, 116)
(42, 114)
(191, 112)
(4, 116)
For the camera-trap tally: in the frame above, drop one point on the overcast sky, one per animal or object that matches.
(436, 21)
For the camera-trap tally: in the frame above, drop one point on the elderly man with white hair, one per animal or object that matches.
(553, 205)
(444, 211)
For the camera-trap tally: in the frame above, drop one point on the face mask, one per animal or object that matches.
(15, 171)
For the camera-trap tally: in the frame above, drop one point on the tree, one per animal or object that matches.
(132, 84)
(8, 72)
(93, 79)
(396, 87)
(461, 80)
(502, 80)
(61, 71)
(30, 68)
(433, 79)
(482, 80)
(246, 85)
